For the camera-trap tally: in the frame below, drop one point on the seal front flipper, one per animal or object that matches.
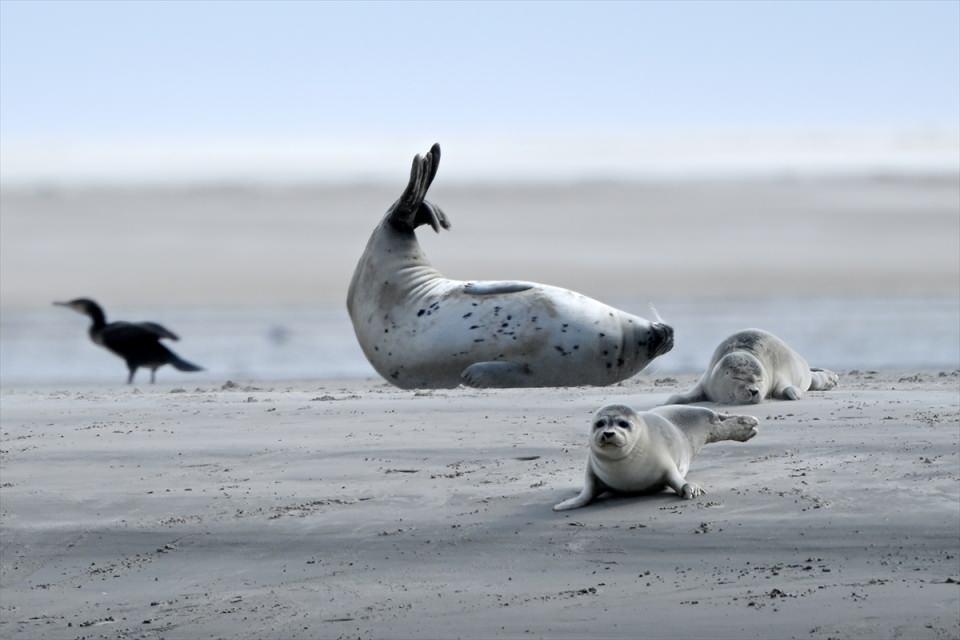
(412, 210)
(493, 288)
(592, 487)
(496, 374)
(684, 489)
(696, 394)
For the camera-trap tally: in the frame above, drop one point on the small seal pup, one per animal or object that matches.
(644, 452)
(752, 365)
(421, 330)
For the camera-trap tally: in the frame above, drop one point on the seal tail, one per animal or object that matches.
(412, 210)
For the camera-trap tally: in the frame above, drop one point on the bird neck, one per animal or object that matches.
(97, 318)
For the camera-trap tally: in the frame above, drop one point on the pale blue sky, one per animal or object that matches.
(110, 70)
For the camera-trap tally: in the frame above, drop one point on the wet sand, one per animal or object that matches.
(248, 245)
(326, 510)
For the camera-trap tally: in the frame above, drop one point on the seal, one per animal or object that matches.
(644, 452)
(752, 365)
(421, 330)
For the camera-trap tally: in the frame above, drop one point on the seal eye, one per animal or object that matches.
(599, 424)
(623, 424)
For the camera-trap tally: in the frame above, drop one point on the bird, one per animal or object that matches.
(138, 343)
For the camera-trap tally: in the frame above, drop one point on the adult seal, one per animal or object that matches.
(752, 365)
(645, 452)
(421, 330)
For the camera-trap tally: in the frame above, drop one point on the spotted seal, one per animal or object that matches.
(421, 330)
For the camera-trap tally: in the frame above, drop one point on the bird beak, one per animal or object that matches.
(61, 304)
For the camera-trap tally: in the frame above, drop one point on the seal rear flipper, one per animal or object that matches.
(492, 288)
(412, 210)
(496, 374)
(789, 392)
(823, 379)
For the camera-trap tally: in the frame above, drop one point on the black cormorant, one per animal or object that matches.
(138, 343)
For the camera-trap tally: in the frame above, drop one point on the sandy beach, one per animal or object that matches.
(352, 509)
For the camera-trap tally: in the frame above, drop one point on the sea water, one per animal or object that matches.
(50, 346)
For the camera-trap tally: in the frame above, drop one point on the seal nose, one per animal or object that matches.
(754, 394)
(607, 435)
(663, 342)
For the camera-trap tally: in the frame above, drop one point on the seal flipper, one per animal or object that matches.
(412, 210)
(496, 374)
(788, 392)
(592, 487)
(678, 483)
(696, 394)
(495, 287)
(823, 379)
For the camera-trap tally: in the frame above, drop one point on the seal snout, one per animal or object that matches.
(662, 339)
(607, 436)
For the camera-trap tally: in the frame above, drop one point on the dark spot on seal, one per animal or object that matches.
(386, 330)
(467, 315)
(505, 324)
(474, 326)
(609, 366)
(478, 339)
(575, 347)
(421, 312)
(376, 348)
(533, 319)
(606, 353)
(619, 362)
(395, 375)
(603, 335)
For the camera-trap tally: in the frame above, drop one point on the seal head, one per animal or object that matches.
(616, 432)
(739, 378)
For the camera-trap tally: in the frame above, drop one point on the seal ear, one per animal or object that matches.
(412, 210)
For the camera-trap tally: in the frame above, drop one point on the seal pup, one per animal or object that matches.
(644, 452)
(752, 365)
(421, 330)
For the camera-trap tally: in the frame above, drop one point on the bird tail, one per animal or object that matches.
(182, 364)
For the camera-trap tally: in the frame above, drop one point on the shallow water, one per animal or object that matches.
(50, 346)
